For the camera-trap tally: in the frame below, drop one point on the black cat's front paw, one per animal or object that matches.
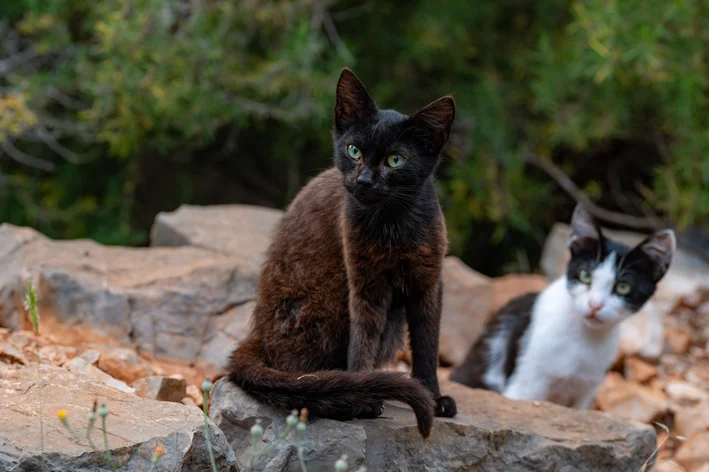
(370, 411)
(445, 407)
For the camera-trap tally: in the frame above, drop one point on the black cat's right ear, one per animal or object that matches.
(352, 101)
(585, 233)
(436, 120)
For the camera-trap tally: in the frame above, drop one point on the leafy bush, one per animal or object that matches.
(112, 111)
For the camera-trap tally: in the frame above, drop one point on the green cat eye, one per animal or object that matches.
(396, 160)
(622, 288)
(354, 152)
(584, 276)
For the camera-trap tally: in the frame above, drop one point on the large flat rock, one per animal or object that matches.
(490, 433)
(135, 426)
(161, 301)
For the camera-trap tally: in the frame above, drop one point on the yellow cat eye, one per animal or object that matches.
(584, 276)
(396, 160)
(354, 152)
(622, 288)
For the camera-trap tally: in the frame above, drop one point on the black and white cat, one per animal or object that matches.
(557, 345)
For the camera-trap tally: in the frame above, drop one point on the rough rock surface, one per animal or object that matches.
(241, 231)
(489, 434)
(165, 389)
(158, 300)
(135, 426)
(467, 297)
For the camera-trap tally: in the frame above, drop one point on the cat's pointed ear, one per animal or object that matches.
(658, 248)
(585, 233)
(352, 101)
(436, 120)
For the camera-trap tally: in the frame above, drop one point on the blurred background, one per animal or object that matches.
(111, 111)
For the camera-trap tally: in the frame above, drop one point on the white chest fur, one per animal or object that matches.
(562, 359)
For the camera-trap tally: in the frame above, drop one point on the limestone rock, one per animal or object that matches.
(629, 400)
(467, 297)
(135, 426)
(80, 366)
(159, 300)
(167, 389)
(241, 231)
(124, 364)
(195, 393)
(692, 420)
(91, 356)
(490, 433)
(643, 333)
(685, 393)
(639, 370)
(693, 454)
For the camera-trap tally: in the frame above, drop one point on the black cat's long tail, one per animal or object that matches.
(327, 394)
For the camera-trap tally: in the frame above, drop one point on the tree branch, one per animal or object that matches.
(565, 182)
(26, 159)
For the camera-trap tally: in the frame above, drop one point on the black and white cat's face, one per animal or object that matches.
(386, 156)
(607, 281)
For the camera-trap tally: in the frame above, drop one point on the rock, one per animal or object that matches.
(195, 393)
(165, 389)
(10, 353)
(643, 333)
(159, 300)
(490, 433)
(629, 400)
(56, 355)
(685, 393)
(507, 287)
(124, 364)
(135, 426)
(223, 333)
(467, 297)
(692, 420)
(687, 274)
(91, 356)
(638, 370)
(693, 454)
(241, 231)
(678, 339)
(699, 374)
(80, 366)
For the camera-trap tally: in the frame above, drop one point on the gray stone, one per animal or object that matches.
(165, 389)
(135, 427)
(241, 231)
(490, 433)
(80, 366)
(467, 300)
(158, 300)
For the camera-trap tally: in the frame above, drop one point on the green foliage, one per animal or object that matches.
(614, 93)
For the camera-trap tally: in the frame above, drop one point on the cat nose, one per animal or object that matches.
(595, 306)
(365, 178)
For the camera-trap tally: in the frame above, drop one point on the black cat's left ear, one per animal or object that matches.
(658, 248)
(436, 121)
(352, 101)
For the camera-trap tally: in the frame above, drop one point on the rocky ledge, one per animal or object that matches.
(135, 426)
(490, 433)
